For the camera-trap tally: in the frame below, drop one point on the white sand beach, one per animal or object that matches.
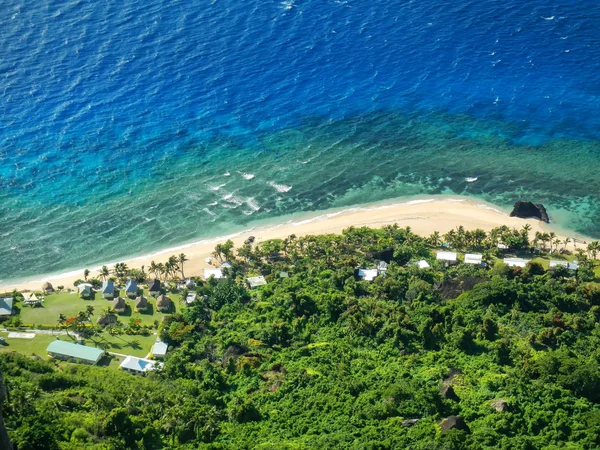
(424, 216)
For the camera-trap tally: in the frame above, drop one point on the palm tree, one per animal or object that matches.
(434, 238)
(566, 242)
(557, 243)
(108, 313)
(181, 260)
(153, 268)
(86, 274)
(173, 261)
(104, 272)
(526, 230)
(160, 268)
(550, 238)
(593, 248)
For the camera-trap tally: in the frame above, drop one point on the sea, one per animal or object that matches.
(131, 126)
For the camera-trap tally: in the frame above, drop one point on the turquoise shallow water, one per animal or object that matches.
(130, 127)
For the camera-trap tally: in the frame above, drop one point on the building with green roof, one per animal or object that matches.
(74, 352)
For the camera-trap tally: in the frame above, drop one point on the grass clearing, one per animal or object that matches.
(70, 304)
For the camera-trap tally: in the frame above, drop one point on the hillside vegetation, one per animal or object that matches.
(321, 359)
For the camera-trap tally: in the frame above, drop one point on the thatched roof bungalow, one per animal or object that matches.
(154, 287)
(47, 287)
(141, 303)
(119, 305)
(163, 303)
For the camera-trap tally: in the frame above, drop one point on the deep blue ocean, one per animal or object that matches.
(131, 126)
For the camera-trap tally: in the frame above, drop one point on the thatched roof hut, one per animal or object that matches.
(47, 287)
(154, 287)
(119, 304)
(106, 319)
(141, 303)
(163, 303)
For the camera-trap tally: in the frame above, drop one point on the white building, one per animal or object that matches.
(367, 274)
(559, 263)
(254, 282)
(473, 258)
(138, 366)
(449, 257)
(516, 262)
(217, 273)
(422, 264)
(159, 349)
(190, 297)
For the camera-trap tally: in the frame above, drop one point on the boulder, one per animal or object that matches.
(447, 391)
(385, 255)
(409, 422)
(499, 405)
(528, 210)
(454, 423)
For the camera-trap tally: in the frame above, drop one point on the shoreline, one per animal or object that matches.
(424, 214)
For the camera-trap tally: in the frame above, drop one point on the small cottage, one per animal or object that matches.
(515, 262)
(108, 290)
(131, 288)
(138, 366)
(254, 282)
(217, 273)
(119, 305)
(6, 305)
(159, 349)
(473, 258)
(446, 257)
(141, 303)
(367, 274)
(154, 288)
(85, 290)
(163, 303)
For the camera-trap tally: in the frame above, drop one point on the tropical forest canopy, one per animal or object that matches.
(451, 357)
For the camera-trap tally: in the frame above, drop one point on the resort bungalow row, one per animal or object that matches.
(67, 351)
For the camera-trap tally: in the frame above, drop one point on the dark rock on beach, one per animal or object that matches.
(528, 210)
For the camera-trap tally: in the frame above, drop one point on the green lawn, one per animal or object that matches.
(35, 346)
(129, 345)
(70, 304)
(55, 304)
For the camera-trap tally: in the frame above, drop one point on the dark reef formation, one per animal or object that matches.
(528, 210)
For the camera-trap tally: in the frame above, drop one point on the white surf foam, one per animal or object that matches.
(280, 187)
(246, 176)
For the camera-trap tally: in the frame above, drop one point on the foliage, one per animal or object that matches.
(323, 359)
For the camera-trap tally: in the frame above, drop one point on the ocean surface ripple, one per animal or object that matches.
(126, 127)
